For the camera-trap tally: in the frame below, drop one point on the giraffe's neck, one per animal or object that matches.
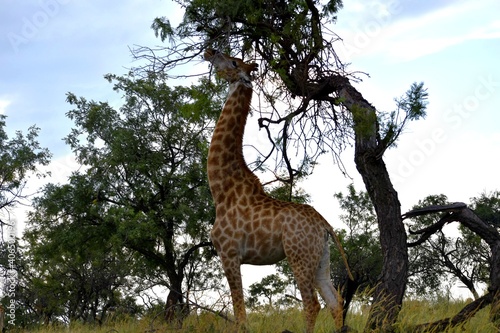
(226, 165)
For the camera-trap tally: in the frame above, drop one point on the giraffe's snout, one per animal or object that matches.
(210, 53)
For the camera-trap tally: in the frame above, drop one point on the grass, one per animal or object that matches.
(419, 312)
(412, 313)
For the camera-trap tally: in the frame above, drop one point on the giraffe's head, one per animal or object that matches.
(229, 68)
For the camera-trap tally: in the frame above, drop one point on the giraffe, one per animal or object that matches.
(253, 228)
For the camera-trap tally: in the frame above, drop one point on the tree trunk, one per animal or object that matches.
(388, 294)
(390, 290)
(495, 283)
(175, 308)
(495, 286)
(491, 236)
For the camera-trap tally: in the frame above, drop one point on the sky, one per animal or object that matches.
(453, 48)
(51, 47)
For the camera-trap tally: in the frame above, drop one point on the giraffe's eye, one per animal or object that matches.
(235, 64)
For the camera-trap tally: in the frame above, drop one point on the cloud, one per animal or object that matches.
(415, 44)
(4, 103)
(459, 167)
(50, 47)
(397, 34)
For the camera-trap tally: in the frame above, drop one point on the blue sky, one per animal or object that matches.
(51, 47)
(453, 47)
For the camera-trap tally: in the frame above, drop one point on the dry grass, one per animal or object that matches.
(413, 313)
(419, 312)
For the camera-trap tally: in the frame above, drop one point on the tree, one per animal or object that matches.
(362, 233)
(322, 108)
(72, 269)
(269, 287)
(463, 257)
(142, 185)
(20, 157)
(487, 207)
(459, 212)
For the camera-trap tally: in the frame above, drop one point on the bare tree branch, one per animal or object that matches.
(464, 315)
(458, 212)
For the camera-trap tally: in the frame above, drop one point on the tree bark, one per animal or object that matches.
(369, 149)
(390, 290)
(175, 308)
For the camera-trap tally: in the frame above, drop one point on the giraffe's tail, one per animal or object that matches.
(341, 249)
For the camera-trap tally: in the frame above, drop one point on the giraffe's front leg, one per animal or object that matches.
(233, 274)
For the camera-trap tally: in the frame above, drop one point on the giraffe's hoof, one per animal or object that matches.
(347, 329)
(287, 331)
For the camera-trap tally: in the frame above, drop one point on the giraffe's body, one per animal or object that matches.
(250, 226)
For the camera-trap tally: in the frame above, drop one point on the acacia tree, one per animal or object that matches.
(19, 156)
(362, 233)
(302, 75)
(152, 173)
(271, 287)
(463, 257)
(72, 268)
(459, 212)
(142, 184)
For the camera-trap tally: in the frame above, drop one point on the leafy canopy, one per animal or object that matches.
(20, 157)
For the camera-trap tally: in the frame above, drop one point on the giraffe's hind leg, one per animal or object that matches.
(309, 299)
(304, 265)
(324, 284)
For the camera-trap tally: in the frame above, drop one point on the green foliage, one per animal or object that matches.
(411, 106)
(271, 288)
(487, 207)
(20, 157)
(332, 7)
(414, 102)
(364, 121)
(360, 241)
(162, 28)
(139, 210)
(251, 17)
(74, 275)
(287, 193)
